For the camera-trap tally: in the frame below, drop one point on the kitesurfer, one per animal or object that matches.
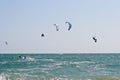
(22, 57)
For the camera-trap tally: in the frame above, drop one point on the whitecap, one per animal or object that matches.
(30, 59)
(4, 62)
(2, 77)
(50, 60)
(88, 62)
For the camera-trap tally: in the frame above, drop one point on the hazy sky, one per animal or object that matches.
(23, 21)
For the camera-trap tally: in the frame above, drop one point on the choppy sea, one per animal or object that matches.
(60, 66)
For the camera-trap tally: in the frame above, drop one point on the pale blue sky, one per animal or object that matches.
(23, 21)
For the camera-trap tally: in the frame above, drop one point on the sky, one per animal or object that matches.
(23, 21)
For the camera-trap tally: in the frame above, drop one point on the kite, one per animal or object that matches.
(42, 35)
(94, 38)
(69, 25)
(57, 29)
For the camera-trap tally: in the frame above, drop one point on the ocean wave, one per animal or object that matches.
(87, 62)
(81, 62)
(50, 67)
(107, 78)
(60, 64)
(61, 77)
(4, 62)
(49, 60)
(29, 58)
(7, 77)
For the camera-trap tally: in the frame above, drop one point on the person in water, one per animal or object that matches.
(22, 57)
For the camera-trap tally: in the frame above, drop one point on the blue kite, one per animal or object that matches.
(69, 25)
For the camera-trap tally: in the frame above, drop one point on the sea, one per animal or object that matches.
(71, 66)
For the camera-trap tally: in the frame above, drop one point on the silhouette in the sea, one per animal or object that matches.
(94, 38)
(22, 57)
(42, 35)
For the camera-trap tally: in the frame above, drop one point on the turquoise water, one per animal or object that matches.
(60, 67)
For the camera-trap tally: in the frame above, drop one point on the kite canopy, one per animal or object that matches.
(94, 38)
(57, 29)
(69, 25)
(42, 35)
(6, 42)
